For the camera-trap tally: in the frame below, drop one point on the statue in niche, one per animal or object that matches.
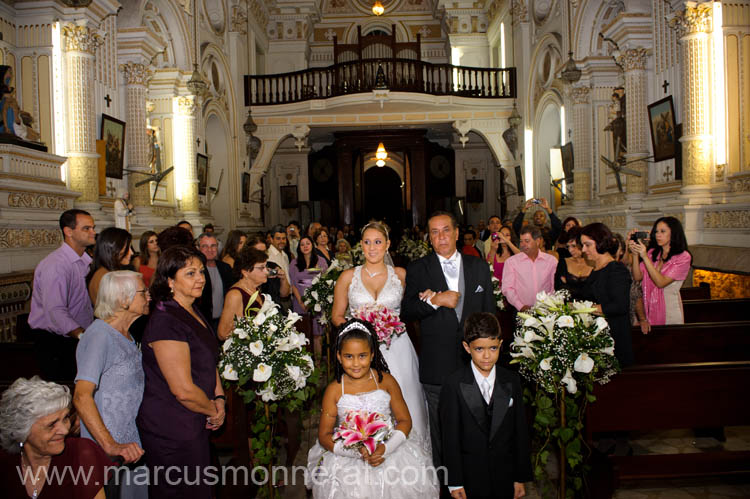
(617, 125)
(15, 124)
(154, 150)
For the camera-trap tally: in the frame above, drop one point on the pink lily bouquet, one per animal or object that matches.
(385, 322)
(363, 429)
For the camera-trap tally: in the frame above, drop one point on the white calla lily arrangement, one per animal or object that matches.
(318, 298)
(561, 343)
(266, 355)
(562, 348)
(266, 359)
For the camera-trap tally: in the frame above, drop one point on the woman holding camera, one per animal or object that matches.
(501, 248)
(251, 273)
(662, 267)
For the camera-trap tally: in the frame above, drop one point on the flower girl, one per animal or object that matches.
(362, 449)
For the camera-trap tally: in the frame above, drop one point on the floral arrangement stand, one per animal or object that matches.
(265, 359)
(562, 348)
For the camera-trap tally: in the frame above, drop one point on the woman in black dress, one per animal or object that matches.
(183, 400)
(608, 287)
(574, 270)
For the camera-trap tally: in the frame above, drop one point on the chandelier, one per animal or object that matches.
(196, 85)
(377, 8)
(381, 155)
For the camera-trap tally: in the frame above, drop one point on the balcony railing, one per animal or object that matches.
(401, 75)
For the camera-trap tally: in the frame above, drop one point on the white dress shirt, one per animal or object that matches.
(279, 258)
(451, 281)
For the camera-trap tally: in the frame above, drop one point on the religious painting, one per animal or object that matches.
(201, 165)
(663, 136)
(519, 180)
(289, 199)
(245, 187)
(113, 135)
(475, 191)
(566, 151)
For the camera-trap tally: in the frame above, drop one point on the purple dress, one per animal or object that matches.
(173, 435)
(302, 280)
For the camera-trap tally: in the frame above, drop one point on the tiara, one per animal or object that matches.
(374, 224)
(355, 325)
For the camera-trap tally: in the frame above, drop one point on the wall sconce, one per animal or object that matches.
(377, 8)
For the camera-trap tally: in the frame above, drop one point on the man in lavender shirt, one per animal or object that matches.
(60, 306)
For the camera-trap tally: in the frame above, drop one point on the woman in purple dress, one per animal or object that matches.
(302, 270)
(183, 400)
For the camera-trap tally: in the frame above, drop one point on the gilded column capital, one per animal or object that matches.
(519, 11)
(696, 18)
(633, 59)
(186, 105)
(136, 73)
(580, 94)
(81, 38)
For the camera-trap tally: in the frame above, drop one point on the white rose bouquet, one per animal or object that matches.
(413, 250)
(318, 298)
(497, 292)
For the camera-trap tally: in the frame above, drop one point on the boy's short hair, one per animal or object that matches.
(481, 325)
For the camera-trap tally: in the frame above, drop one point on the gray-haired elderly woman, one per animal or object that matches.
(34, 422)
(109, 383)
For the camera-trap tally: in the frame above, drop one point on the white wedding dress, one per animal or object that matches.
(401, 357)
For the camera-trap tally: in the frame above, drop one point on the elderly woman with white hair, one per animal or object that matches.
(37, 460)
(109, 383)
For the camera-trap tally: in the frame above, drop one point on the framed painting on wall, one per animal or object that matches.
(289, 199)
(113, 135)
(475, 191)
(663, 129)
(201, 165)
(245, 187)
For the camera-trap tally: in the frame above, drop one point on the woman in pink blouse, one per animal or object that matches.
(662, 267)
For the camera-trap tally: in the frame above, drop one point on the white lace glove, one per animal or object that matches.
(340, 450)
(394, 442)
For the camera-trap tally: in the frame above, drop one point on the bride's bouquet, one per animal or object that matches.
(363, 429)
(385, 322)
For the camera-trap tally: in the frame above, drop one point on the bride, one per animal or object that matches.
(376, 281)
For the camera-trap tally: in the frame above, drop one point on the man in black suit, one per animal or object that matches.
(218, 279)
(485, 436)
(441, 290)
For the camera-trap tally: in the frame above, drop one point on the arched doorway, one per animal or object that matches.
(384, 197)
(546, 136)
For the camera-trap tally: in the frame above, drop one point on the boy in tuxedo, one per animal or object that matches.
(484, 434)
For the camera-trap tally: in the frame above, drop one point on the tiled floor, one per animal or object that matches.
(673, 441)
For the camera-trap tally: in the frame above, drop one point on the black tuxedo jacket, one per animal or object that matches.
(227, 279)
(485, 448)
(441, 331)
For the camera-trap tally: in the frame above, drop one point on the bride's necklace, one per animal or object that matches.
(372, 274)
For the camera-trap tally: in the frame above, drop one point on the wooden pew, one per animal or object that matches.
(686, 376)
(669, 396)
(696, 293)
(686, 343)
(716, 310)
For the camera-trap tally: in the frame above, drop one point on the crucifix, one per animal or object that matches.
(665, 85)
(108, 99)
(198, 140)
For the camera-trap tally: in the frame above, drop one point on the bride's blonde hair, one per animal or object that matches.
(376, 225)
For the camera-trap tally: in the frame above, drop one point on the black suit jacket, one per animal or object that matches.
(441, 332)
(485, 449)
(206, 304)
